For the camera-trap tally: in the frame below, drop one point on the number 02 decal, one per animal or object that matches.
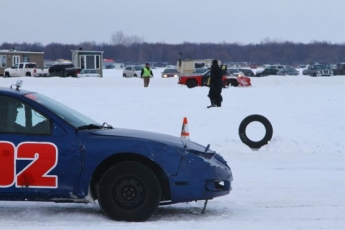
(43, 157)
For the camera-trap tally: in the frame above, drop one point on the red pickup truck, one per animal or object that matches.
(229, 79)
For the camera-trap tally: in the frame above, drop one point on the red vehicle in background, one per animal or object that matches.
(229, 79)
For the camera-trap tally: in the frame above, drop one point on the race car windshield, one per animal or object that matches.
(71, 116)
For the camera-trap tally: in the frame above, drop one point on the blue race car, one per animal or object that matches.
(50, 152)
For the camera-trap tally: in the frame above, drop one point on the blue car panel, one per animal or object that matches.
(49, 152)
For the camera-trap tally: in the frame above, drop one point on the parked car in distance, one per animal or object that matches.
(21, 69)
(170, 72)
(234, 71)
(41, 72)
(132, 71)
(88, 73)
(288, 70)
(55, 154)
(338, 68)
(195, 80)
(274, 67)
(266, 72)
(63, 70)
(247, 72)
(317, 70)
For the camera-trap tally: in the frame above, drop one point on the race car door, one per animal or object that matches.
(39, 157)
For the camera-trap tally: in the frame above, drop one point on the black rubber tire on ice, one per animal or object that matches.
(191, 83)
(243, 135)
(129, 191)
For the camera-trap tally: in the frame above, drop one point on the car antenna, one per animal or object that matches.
(18, 84)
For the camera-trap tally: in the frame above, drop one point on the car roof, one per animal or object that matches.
(13, 91)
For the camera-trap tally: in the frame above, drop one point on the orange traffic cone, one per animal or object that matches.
(184, 131)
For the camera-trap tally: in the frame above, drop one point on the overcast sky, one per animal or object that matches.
(172, 22)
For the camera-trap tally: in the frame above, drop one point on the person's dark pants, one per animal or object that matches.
(215, 95)
(146, 81)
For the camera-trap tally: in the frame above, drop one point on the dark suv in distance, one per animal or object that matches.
(266, 72)
(64, 70)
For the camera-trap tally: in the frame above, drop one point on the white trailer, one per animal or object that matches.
(189, 66)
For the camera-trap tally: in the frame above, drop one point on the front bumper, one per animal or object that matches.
(200, 180)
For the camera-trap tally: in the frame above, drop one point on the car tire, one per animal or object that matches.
(258, 118)
(191, 83)
(28, 74)
(233, 82)
(142, 196)
(7, 74)
(135, 75)
(124, 75)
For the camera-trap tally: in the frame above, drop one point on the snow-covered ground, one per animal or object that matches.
(297, 181)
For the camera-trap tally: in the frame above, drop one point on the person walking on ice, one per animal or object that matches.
(146, 74)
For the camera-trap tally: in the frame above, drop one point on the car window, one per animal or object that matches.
(170, 71)
(55, 67)
(71, 116)
(199, 70)
(208, 73)
(19, 118)
(31, 65)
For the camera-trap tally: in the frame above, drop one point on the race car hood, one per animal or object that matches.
(152, 136)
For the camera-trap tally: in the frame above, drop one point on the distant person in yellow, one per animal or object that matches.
(146, 73)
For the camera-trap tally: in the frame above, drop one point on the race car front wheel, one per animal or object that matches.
(129, 191)
(243, 134)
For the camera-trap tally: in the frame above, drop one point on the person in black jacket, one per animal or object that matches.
(216, 85)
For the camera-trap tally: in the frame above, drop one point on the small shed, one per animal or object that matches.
(85, 59)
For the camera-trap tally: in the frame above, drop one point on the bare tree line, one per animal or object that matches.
(134, 49)
(119, 38)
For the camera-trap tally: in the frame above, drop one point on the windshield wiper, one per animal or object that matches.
(106, 126)
(90, 126)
